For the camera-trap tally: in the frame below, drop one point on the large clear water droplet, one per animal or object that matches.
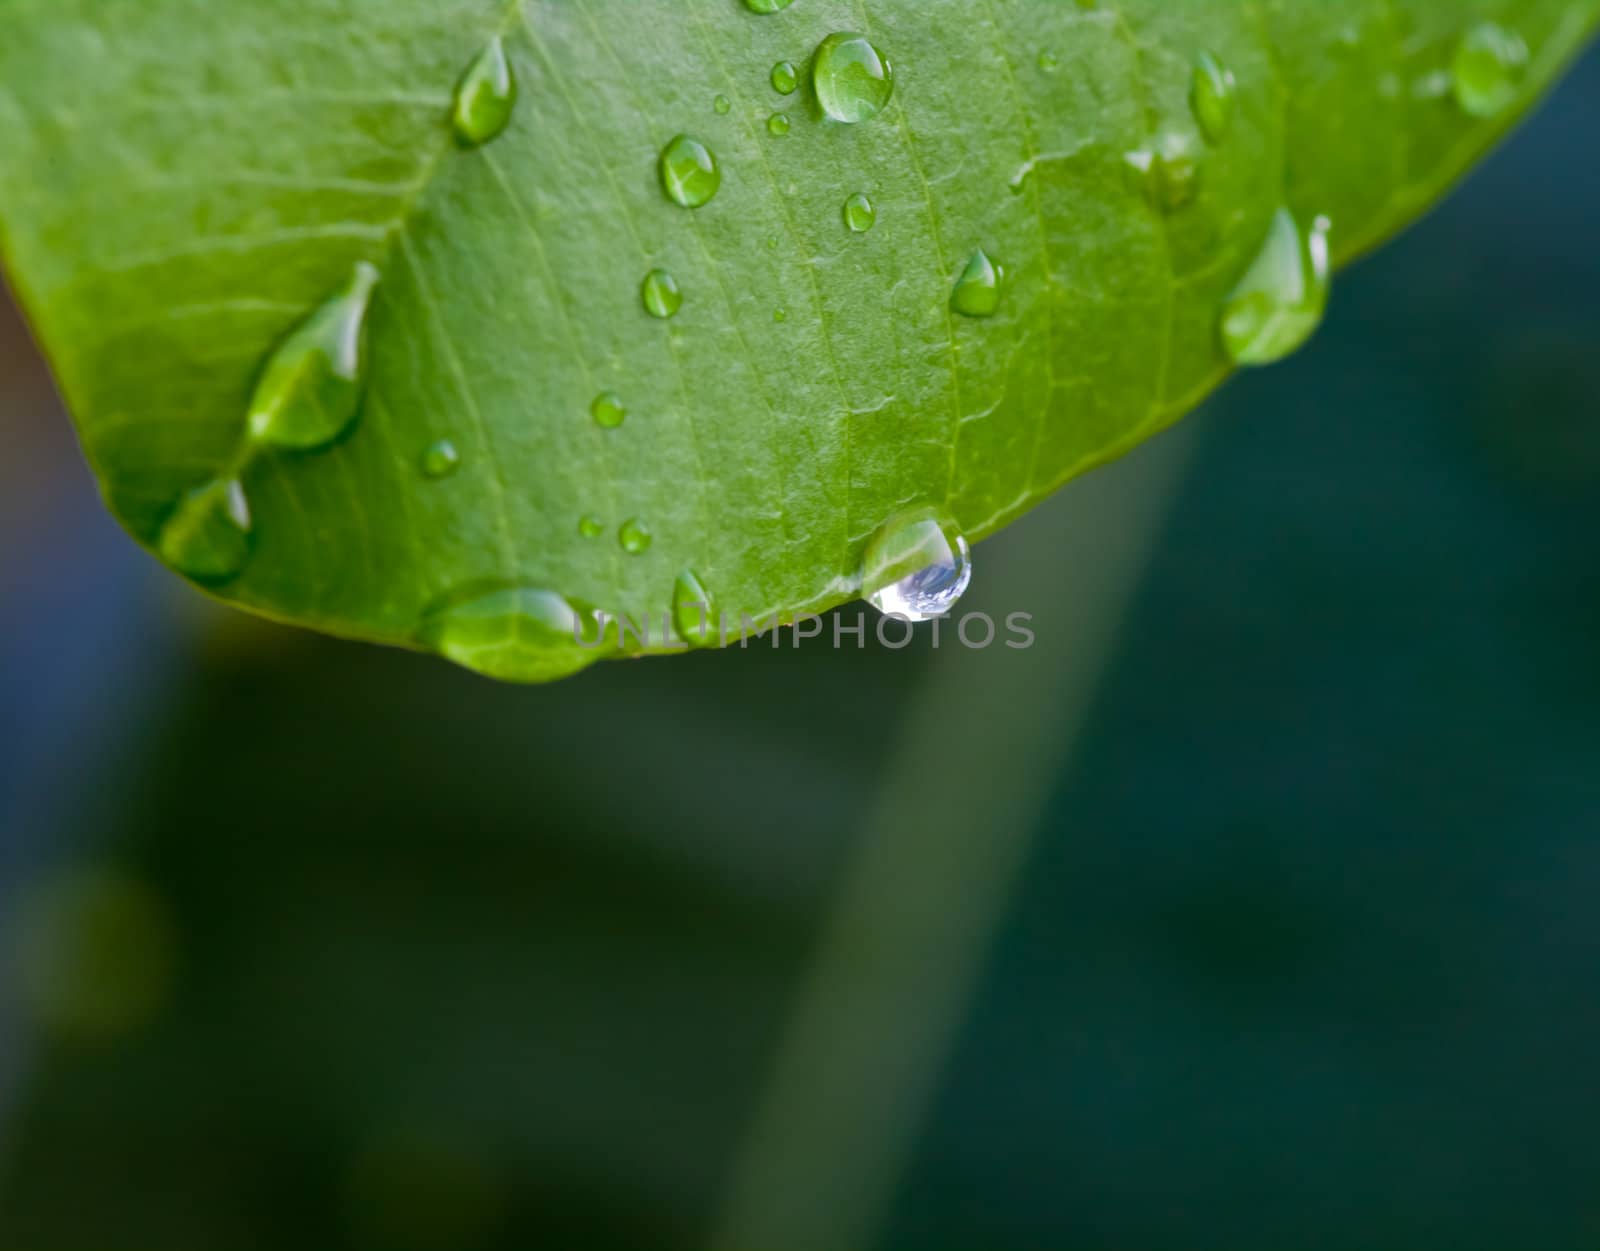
(977, 291)
(635, 537)
(310, 390)
(208, 536)
(853, 80)
(662, 298)
(1489, 66)
(513, 633)
(859, 213)
(785, 78)
(1212, 97)
(440, 459)
(485, 96)
(689, 172)
(694, 615)
(1279, 303)
(767, 6)
(916, 567)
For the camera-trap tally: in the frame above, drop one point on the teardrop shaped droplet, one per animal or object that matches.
(635, 537)
(977, 291)
(514, 633)
(1280, 301)
(785, 78)
(694, 615)
(661, 295)
(485, 96)
(208, 536)
(591, 527)
(853, 80)
(778, 125)
(1167, 176)
(440, 459)
(767, 6)
(916, 567)
(722, 106)
(310, 390)
(1490, 63)
(1211, 96)
(689, 172)
(608, 410)
(859, 213)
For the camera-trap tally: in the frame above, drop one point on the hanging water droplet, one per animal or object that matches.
(208, 536)
(1489, 66)
(767, 6)
(1279, 303)
(916, 567)
(440, 459)
(785, 78)
(778, 124)
(694, 616)
(1168, 177)
(608, 410)
(591, 527)
(1048, 61)
(977, 291)
(1211, 96)
(689, 172)
(635, 537)
(310, 390)
(485, 96)
(722, 106)
(513, 633)
(661, 295)
(853, 80)
(859, 213)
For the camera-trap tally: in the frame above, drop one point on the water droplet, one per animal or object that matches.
(441, 459)
(689, 172)
(859, 214)
(785, 78)
(722, 105)
(1048, 61)
(694, 615)
(916, 567)
(977, 292)
(1211, 96)
(608, 410)
(513, 633)
(853, 80)
(485, 96)
(591, 527)
(1168, 177)
(207, 538)
(778, 124)
(780, 315)
(767, 6)
(1489, 66)
(635, 537)
(772, 243)
(310, 391)
(661, 295)
(1279, 303)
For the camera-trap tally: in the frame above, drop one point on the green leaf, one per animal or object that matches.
(1069, 214)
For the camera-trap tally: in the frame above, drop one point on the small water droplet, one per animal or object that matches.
(1168, 177)
(513, 633)
(591, 527)
(1489, 66)
(778, 124)
(1212, 97)
(208, 536)
(772, 243)
(635, 537)
(859, 214)
(694, 615)
(780, 315)
(689, 172)
(853, 80)
(722, 106)
(608, 410)
(1279, 303)
(785, 78)
(310, 390)
(767, 6)
(485, 96)
(977, 291)
(916, 567)
(1048, 61)
(440, 459)
(661, 295)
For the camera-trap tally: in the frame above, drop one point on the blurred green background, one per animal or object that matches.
(1255, 907)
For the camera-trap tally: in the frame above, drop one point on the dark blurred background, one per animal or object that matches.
(1255, 907)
